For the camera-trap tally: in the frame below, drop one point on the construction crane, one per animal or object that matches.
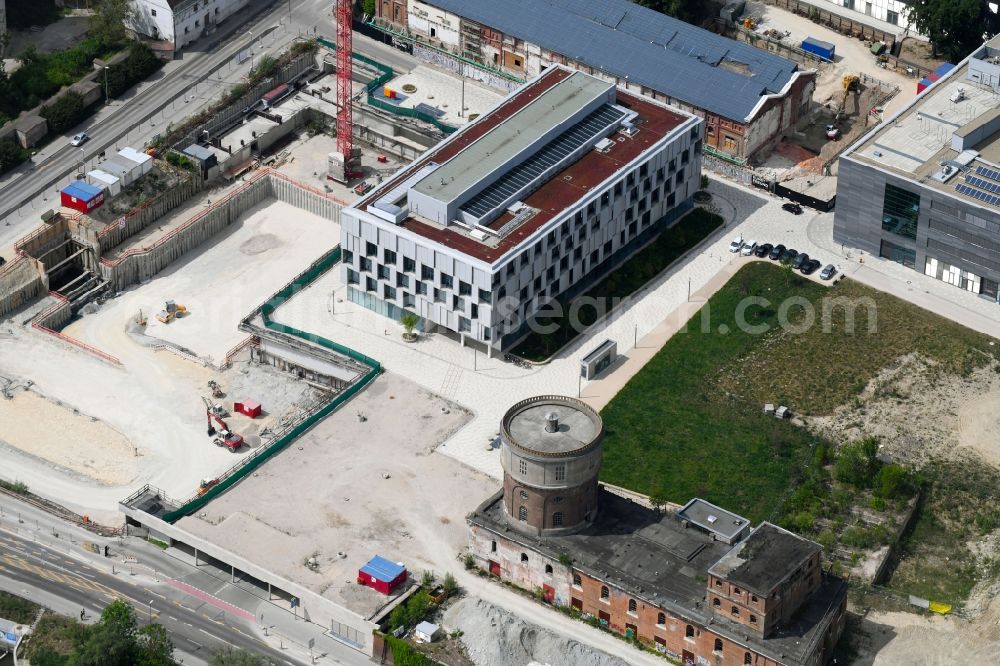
(345, 89)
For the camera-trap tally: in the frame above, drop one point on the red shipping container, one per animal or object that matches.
(249, 407)
(382, 575)
(81, 196)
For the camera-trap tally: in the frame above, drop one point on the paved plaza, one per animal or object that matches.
(488, 386)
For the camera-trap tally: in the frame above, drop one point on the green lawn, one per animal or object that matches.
(625, 280)
(672, 429)
(690, 423)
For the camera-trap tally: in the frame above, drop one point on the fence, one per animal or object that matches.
(833, 20)
(307, 198)
(778, 46)
(236, 473)
(58, 314)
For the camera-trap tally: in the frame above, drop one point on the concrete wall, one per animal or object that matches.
(21, 280)
(114, 235)
(138, 264)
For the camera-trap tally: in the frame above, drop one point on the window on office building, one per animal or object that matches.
(389, 256)
(426, 272)
(440, 296)
(898, 253)
(485, 296)
(464, 288)
(422, 288)
(892, 17)
(347, 257)
(370, 249)
(352, 276)
(383, 273)
(408, 300)
(370, 284)
(402, 280)
(365, 264)
(446, 281)
(900, 209)
(389, 292)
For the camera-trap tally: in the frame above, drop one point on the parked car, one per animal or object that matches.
(800, 260)
(79, 139)
(776, 252)
(736, 245)
(828, 272)
(788, 256)
(809, 267)
(748, 248)
(793, 208)
(763, 250)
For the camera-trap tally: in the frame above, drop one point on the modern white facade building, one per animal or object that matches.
(537, 199)
(893, 12)
(181, 21)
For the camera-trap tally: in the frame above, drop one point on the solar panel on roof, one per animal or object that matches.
(551, 154)
(989, 173)
(983, 184)
(979, 195)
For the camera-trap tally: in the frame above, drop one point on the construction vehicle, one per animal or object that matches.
(851, 84)
(170, 312)
(205, 485)
(216, 409)
(217, 391)
(226, 437)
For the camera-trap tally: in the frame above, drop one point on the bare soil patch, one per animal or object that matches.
(46, 429)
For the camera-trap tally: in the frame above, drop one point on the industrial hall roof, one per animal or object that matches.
(651, 49)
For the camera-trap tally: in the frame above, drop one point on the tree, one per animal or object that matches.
(450, 585)
(107, 24)
(233, 657)
(64, 113)
(409, 322)
(857, 463)
(154, 646)
(955, 27)
(11, 154)
(368, 7)
(689, 11)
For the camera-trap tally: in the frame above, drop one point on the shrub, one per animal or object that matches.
(450, 585)
(427, 579)
(856, 463)
(469, 561)
(893, 481)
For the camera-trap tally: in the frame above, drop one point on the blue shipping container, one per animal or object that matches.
(944, 68)
(818, 47)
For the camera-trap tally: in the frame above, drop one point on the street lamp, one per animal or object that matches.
(250, 32)
(106, 95)
(83, 159)
(150, 606)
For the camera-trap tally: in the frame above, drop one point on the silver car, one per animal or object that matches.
(828, 272)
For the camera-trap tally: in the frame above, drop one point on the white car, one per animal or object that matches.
(748, 248)
(79, 139)
(736, 245)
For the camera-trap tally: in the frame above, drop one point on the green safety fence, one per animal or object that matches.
(267, 310)
(385, 76)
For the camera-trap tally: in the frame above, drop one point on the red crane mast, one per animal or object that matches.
(345, 51)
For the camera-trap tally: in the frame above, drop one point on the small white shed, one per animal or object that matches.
(426, 632)
(145, 161)
(105, 181)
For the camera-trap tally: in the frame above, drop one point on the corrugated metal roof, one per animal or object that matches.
(652, 49)
(82, 190)
(382, 569)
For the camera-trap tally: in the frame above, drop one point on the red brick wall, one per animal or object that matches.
(542, 504)
(393, 11)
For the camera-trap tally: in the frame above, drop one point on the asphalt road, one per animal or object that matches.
(196, 629)
(197, 64)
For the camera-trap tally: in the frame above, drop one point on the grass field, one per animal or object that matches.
(691, 422)
(625, 280)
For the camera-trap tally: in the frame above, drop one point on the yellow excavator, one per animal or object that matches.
(170, 312)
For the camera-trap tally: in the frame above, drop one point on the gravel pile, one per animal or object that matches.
(495, 637)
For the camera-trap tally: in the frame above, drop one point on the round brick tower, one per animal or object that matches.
(551, 456)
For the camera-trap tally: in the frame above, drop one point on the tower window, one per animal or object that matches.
(493, 547)
(632, 606)
(577, 581)
(605, 593)
(718, 645)
(557, 519)
(522, 514)
(524, 557)
(560, 472)
(689, 632)
(548, 569)
(661, 619)
(522, 466)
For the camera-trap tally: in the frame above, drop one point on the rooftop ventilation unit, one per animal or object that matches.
(604, 145)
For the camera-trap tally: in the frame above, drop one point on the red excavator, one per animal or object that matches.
(226, 437)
